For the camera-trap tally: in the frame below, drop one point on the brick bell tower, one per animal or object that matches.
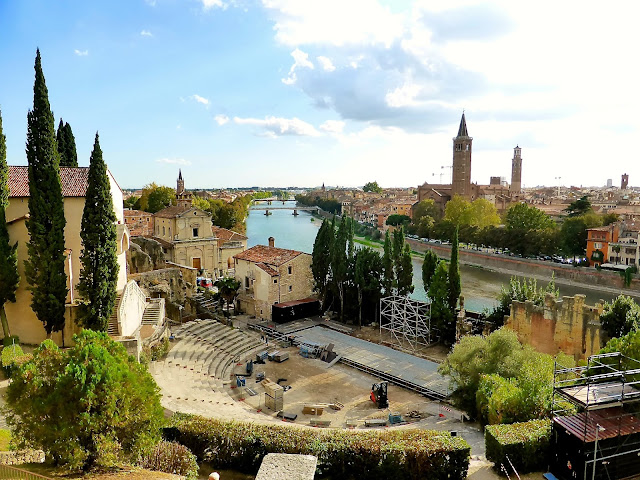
(183, 198)
(516, 171)
(461, 175)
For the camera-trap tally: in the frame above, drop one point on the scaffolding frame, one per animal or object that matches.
(599, 391)
(408, 321)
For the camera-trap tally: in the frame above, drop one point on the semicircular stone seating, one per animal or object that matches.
(195, 377)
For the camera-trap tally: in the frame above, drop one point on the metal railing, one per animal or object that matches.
(8, 471)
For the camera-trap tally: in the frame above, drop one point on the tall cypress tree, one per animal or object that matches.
(99, 274)
(404, 272)
(9, 278)
(340, 262)
(45, 266)
(321, 258)
(455, 289)
(387, 266)
(66, 145)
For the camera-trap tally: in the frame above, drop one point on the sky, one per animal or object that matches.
(241, 93)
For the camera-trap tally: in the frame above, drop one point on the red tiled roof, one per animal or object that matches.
(136, 213)
(268, 269)
(269, 255)
(227, 235)
(172, 211)
(74, 181)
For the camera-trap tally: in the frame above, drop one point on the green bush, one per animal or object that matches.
(12, 358)
(92, 404)
(391, 454)
(170, 457)
(526, 444)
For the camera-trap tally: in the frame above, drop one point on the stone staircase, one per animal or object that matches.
(112, 327)
(196, 375)
(205, 302)
(153, 312)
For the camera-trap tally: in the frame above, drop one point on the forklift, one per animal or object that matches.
(379, 394)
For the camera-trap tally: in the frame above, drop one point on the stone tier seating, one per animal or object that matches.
(199, 366)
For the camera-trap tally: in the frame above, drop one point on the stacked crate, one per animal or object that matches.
(274, 398)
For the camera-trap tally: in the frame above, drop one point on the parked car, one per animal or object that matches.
(204, 282)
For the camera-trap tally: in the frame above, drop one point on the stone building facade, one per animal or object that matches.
(270, 275)
(561, 325)
(139, 222)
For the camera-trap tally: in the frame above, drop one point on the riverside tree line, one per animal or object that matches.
(351, 281)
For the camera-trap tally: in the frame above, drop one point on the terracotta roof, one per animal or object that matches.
(136, 213)
(269, 255)
(172, 211)
(268, 269)
(74, 181)
(227, 235)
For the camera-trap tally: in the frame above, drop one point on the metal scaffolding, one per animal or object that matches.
(408, 321)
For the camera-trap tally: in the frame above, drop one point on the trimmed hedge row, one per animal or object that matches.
(393, 454)
(526, 444)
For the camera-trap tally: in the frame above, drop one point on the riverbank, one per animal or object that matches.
(583, 277)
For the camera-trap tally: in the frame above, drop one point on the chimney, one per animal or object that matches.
(272, 242)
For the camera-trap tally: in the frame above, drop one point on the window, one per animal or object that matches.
(195, 233)
(290, 287)
(275, 280)
(163, 232)
(597, 245)
(246, 282)
(290, 269)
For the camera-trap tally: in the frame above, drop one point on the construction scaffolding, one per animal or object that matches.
(408, 321)
(596, 426)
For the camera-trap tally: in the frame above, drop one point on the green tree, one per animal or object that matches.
(395, 220)
(132, 202)
(387, 265)
(45, 266)
(579, 207)
(66, 145)
(404, 272)
(9, 277)
(458, 211)
(484, 213)
(455, 288)
(441, 315)
(573, 232)
(368, 274)
(339, 262)
(609, 218)
(321, 259)
(429, 265)
(155, 197)
(628, 345)
(426, 208)
(620, 316)
(372, 187)
(228, 288)
(99, 258)
(526, 218)
(90, 405)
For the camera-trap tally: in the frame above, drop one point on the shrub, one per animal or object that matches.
(170, 457)
(106, 404)
(392, 454)
(526, 444)
(13, 357)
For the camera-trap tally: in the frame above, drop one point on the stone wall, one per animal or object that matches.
(22, 456)
(560, 325)
(153, 249)
(174, 285)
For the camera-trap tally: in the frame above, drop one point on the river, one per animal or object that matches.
(480, 287)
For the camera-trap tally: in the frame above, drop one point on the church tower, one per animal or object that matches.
(183, 198)
(461, 175)
(516, 171)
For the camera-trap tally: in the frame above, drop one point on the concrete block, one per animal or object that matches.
(282, 466)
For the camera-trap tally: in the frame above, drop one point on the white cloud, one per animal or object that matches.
(199, 99)
(326, 63)
(174, 161)
(146, 33)
(221, 119)
(403, 96)
(333, 126)
(334, 22)
(208, 4)
(81, 53)
(278, 126)
(300, 60)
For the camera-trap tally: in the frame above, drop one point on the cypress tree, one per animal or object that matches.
(454, 274)
(321, 258)
(387, 266)
(66, 145)
(71, 156)
(99, 273)
(340, 262)
(45, 266)
(441, 315)
(9, 278)
(405, 272)
(428, 268)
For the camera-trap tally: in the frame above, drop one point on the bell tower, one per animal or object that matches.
(183, 198)
(461, 175)
(516, 171)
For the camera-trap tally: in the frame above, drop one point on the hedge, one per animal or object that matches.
(170, 457)
(344, 454)
(526, 444)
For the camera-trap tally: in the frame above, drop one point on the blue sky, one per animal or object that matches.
(300, 92)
